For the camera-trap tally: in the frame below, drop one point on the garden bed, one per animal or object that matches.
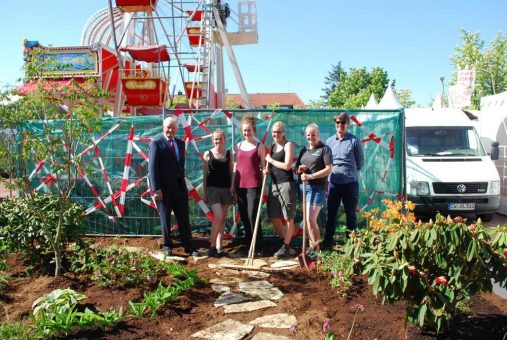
(307, 295)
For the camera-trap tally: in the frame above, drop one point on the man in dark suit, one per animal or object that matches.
(167, 180)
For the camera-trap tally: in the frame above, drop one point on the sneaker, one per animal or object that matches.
(221, 252)
(259, 253)
(284, 251)
(213, 252)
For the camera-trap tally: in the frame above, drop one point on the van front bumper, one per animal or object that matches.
(434, 204)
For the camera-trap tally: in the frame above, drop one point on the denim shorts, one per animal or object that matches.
(314, 196)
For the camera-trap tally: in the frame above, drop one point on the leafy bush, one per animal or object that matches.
(56, 313)
(29, 226)
(434, 266)
(116, 266)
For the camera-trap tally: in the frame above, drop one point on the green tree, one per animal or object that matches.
(356, 86)
(331, 81)
(404, 98)
(490, 64)
(68, 116)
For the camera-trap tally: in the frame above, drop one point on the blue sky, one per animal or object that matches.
(298, 40)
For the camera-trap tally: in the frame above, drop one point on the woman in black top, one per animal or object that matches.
(282, 192)
(314, 164)
(217, 188)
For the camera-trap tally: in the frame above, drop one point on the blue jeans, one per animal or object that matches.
(348, 194)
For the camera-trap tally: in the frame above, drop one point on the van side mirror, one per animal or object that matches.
(495, 150)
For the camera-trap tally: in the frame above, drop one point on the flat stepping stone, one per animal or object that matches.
(257, 274)
(132, 249)
(162, 257)
(248, 306)
(225, 281)
(225, 330)
(269, 336)
(264, 293)
(285, 264)
(256, 264)
(281, 320)
(200, 257)
(222, 262)
(255, 285)
(229, 298)
(221, 288)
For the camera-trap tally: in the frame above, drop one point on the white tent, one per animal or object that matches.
(372, 103)
(389, 100)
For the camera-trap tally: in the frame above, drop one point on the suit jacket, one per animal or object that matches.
(166, 173)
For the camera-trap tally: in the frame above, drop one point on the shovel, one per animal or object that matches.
(305, 261)
(250, 259)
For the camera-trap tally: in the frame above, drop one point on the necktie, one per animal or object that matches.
(173, 148)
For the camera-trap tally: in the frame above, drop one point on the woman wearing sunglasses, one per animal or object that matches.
(282, 192)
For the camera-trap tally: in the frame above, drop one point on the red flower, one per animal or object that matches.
(442, 280)
(412, 270)
(505, 253)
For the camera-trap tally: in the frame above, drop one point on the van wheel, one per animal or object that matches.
(486, 217)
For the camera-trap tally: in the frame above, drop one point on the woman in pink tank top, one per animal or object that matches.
(250, 159)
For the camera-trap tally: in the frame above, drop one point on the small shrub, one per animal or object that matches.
(434, 266)
(28, 226)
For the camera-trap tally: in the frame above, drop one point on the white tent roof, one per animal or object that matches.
(437, 103)
(495, 100)
(372, 102)
(389, 100)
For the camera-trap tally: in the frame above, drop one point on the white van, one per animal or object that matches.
(447, 168)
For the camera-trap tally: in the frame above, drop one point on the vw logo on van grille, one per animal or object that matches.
(461, 188)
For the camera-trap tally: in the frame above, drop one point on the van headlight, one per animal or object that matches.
(419, 188)
(495, 188)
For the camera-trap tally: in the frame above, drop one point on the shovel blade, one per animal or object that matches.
(306, 262)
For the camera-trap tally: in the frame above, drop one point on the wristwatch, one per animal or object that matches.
(311, 176)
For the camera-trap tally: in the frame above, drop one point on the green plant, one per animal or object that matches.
(56, 313)
(433, 266)
(153, 301)
(27, 226)
(17, 331)
(355, 309)
(116, 266)
(339, 266)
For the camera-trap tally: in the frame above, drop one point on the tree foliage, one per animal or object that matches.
(490, 64)
(355, 87)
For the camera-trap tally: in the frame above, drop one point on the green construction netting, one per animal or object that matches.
(382, 176)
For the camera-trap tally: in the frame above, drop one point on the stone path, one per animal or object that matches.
(240, 295)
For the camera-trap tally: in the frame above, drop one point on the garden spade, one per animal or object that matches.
(305, 261)
(250, 259)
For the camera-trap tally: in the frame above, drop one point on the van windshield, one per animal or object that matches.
(443, 141)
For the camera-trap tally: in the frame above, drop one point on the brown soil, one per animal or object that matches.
(308, 296)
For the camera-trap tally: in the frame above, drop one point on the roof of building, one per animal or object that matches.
(261, 100)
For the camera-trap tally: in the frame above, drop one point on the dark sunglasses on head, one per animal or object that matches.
(338, 122)
(280, 131)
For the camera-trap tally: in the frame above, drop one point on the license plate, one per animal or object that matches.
(461, 206)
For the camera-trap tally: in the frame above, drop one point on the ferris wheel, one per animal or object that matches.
(169, 49)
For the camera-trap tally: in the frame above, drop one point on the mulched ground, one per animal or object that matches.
(308, 296)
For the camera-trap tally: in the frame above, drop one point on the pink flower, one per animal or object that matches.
(326, 327)
(357, 308)
(148, 278)
(339, 274)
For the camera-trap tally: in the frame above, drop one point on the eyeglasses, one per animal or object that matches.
(340, 122)
(279, 131)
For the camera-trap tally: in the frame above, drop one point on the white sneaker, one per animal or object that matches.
(284, 251)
